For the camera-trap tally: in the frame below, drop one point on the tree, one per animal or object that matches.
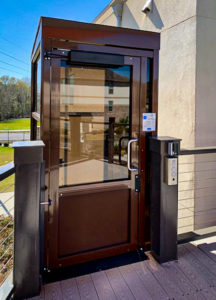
(14, 98)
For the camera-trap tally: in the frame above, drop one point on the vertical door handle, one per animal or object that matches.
(129, 155)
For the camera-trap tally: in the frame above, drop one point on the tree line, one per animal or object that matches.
(15, 97)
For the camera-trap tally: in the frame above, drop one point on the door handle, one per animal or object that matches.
(129, 155)
(49, 202)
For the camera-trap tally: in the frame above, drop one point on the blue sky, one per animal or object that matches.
(18, 24)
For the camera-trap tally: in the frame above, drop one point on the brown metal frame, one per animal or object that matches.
(34, 91)
(135, 45)
(54, 176)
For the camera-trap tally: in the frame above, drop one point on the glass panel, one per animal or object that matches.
(38, 132)
(94, 125)
(38, 98)
(149, 86)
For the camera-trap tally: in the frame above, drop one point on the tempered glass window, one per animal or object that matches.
(93, 137)
(111, 87)
(149, 86)
(110, 105)
(36, 98)
(38, 90)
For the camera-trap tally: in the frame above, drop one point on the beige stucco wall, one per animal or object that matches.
(107, 18)
(176, 114)
(206, 8)
(206, 74)
(177, 23)
(187, 94)
(165, 14)
(205, 129)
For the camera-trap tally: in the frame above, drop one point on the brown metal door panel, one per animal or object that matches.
(94, 217)
(93, 221)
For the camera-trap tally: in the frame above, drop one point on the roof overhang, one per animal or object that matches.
(95, 34)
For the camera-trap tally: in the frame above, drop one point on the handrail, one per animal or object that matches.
(200, 150)
(7, 170)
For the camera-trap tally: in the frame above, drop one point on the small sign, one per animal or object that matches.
(149, 122)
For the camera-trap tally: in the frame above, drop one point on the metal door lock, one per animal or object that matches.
(173, 148)
(137, 183)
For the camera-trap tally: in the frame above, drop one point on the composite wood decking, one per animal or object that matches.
(192, 277)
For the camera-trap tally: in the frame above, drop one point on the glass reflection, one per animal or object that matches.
(38, 103)
(94, 124)
(149, 85)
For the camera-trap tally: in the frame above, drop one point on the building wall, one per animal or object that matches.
(187, 97)
(206, 74)
(165, 14)
(176, 20)
(205, 129)
(107, 18)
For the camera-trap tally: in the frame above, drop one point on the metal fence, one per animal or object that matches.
(8, 136)
(197, 192)
(6, 223)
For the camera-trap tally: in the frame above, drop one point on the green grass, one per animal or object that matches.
(6, 153)
(15, 124)
(6, 156)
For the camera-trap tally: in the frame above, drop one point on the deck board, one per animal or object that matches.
(103, 287)
(86, 287)
(203, 258)
(69, 289)
(119, 285)
(200, 284)
(165, 280)
(53, 291)
(199, 267)
(192, 277)
(150, 282)
(209, 250)
(182, 281)
(135, 284)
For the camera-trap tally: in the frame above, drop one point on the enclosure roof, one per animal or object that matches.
(88, 33)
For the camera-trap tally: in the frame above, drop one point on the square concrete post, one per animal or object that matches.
(28, 159)
(164, 200)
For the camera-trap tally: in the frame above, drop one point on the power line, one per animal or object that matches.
(13, 57)
(11, 71)
(10, 42)
(14, 66)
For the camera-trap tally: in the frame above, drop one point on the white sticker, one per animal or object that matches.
(148, 121)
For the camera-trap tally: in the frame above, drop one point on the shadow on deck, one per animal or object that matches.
(193, 276)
